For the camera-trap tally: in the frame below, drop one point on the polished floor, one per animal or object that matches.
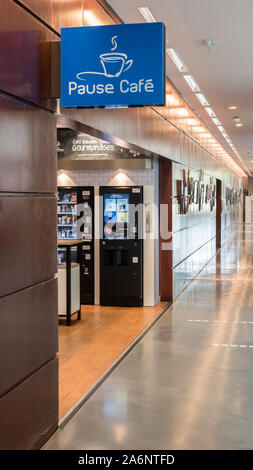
(90, 346)
(189, 383)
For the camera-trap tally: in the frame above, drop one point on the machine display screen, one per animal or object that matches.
(116, 215)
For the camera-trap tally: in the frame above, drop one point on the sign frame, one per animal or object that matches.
(133, 77)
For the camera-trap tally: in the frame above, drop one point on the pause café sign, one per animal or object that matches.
(117, 65)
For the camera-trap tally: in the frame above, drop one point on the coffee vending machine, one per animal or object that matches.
(121, 246)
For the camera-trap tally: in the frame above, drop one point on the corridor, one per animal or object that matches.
(188, 384)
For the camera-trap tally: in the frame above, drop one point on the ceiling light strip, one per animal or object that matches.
(216, 121)
(177, 60)
(210, 112)
(201, 97)
(192, 83)
(147, 14)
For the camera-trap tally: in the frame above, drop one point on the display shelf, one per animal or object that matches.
(61, 238)
(68, 242)
(68, 284)
(67, 213)
(67, 202)
(75, 290)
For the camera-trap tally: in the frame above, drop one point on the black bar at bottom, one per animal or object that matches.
(133, 458)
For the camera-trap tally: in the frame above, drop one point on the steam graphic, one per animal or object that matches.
(114, 43)
(113, 63)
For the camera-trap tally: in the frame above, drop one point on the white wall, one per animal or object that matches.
(149, 179)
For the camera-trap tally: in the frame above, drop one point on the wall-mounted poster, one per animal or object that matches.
(201, 175)
(191, 190)
(196, 192)
(184, 177)
(227, 195)
(186, 204)
(188, 178)
(207, 194)
(201, 196)
(180, 195)
(148, 217)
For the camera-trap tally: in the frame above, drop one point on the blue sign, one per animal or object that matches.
(117, 65)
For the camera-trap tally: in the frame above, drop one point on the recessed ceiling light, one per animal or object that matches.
(239, 124)
(216, 121)
(202, 99)
(147, 15)
(232, 107)
(210, 112)
(192, 83)
(177, 60)
(236, 118)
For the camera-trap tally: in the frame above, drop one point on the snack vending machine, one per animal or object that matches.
(76, 222)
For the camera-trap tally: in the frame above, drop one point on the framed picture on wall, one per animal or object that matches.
(195, 192)
(201, 175)
(191, 190)
(186, 204)
(206, 193)
(148, 217)
(227, 196)
(201, 195)
(180, 195)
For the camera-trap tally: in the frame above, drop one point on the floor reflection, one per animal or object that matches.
(189, 383)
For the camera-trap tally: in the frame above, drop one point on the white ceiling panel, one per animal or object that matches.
(224, 72)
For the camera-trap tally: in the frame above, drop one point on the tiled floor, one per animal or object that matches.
(189, 383)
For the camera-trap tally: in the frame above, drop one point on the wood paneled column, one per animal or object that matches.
(166, 253)
(218, 213)
(28, 237)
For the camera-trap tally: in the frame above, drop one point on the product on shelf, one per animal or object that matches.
(73, 197)
(66, 197)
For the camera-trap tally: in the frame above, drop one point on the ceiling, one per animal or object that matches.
(223, 72)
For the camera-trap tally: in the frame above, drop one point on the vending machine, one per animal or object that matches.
(121, 246)
(76, 221)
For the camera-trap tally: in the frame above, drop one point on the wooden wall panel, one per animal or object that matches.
(64, 13)
(166, 253)
(28, 142)
(27, 241)
(144, 128)
(29, 413)
(23, 43)
(28, 332)
(28, 215)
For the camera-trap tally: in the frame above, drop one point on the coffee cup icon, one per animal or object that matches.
(115, 63)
